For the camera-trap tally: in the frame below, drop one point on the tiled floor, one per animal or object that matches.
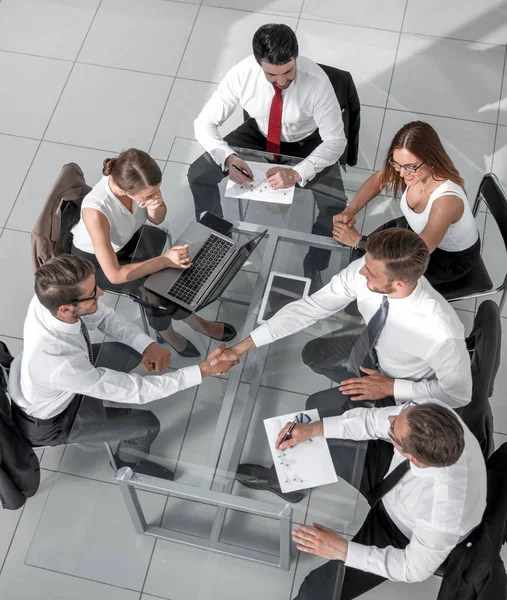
(82, 79)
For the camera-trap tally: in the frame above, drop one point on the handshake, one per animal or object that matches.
(222, 359)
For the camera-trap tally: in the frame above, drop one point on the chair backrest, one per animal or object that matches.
(484, 344)
(61, 211)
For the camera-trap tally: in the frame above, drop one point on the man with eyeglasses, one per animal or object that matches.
(425, 481)
(58, 388)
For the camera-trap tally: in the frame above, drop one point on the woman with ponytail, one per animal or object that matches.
(109, 234)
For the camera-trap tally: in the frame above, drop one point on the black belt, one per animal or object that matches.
(20, 413)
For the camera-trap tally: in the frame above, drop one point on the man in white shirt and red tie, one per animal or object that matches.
(56, 388)
(294, 111)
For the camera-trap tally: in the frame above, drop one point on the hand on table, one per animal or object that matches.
(321, 541)
(299, 434)
(236, 176)
(156, 358)
(179, 257)
(374, 386)
(217, 364)
(345, 234)
(278, 178)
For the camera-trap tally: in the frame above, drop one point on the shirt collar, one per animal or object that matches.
(54, 324)
(410, 300)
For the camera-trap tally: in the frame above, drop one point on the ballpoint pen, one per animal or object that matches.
(242, 172)
(289, 431)
(143, 303)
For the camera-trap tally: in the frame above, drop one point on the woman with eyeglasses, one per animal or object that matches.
(433, 201)
(112, 234)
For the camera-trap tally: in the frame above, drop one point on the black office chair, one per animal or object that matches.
(474, 569)
(478, 282)
(483, 344)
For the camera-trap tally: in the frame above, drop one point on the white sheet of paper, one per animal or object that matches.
(258, 188)
(305, 465)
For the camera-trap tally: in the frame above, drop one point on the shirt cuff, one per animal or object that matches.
(357, 556)
(403, 390)
(262, 336)
(192, 375)
(141, 342)
(333, 427)
(306, 170)
(221, 154)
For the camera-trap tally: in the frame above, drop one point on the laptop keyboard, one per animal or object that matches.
(204, 262)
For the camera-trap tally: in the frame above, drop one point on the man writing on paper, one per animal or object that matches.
(413, 347)
(425, 480)
(293, 110)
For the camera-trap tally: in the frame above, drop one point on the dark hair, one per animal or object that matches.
(435, 436)
(404, 253)
(275, 43)
(420, 139)
(57, 281)
(133, 170)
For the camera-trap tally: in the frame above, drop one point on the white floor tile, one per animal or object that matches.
(49, 160)
(502, 105)
(24, 582)
(367, 53)
(388, 15)
(288, 8)
(445, 69)
(354, 178)
(179, 200)
(499, 167)
(470, 145)
(379, 211)
(25, 78)
(498, 400)
(128, 115)
(467, 318)
(369, 136)
(85, 520)
(389, 590)
(16, 267)
(185, 102)
(481, 22)
(29, 26)
(8, 523)
(212, 26)
(185, 151)
(16, 155)
(155, 45)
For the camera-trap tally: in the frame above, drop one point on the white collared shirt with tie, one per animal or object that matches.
(434, 507)
(421, 345)
(54, 365)
(309, 103)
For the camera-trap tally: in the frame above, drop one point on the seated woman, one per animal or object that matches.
(433, 203)
(109, 234)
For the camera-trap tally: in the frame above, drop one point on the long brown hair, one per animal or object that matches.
(420, 139)
(133, 170)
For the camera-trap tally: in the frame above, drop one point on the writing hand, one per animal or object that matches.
(372, 387)
(156, 358)
(278, 178)
(299, 434)
(236, 176)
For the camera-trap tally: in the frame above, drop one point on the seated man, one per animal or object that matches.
(426, 488)
(294, 111)
(57, 367)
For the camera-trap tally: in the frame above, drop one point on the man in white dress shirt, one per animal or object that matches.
(293, 110)
(425, 481)
(56, 369)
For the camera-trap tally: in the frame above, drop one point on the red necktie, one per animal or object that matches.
(275, 122)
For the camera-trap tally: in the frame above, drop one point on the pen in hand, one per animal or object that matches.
(289, 431)
(242, 172)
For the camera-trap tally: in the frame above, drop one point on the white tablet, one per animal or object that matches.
(281, 289)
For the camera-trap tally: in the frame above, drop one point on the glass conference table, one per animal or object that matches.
(207, 431)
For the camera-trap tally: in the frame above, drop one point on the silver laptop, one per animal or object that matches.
(215, 261)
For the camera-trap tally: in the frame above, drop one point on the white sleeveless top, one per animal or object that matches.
(460, 235)
(122, 222)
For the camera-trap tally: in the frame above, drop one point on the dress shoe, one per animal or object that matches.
(229, 333)
(256, 477)
(189, 351)
(316, 279)
(146, 467)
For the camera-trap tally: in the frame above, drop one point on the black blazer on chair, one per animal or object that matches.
(19, 465)
(474, 570)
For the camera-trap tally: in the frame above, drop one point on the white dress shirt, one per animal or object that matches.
(421, 345)
(434, 507)
(308, 103)
(54, 365)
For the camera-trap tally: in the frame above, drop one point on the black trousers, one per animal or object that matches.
(378, 530)
(88, 420)
(204, 175)
(147, 242)
(443, 266)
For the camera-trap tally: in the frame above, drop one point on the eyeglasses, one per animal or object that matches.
(409, 168)
(94, 297)
(391, 429)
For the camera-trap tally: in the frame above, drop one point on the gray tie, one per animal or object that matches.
(375, 327)
(86, 335)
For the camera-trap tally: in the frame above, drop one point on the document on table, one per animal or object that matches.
(304, 466)
(258, 188)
